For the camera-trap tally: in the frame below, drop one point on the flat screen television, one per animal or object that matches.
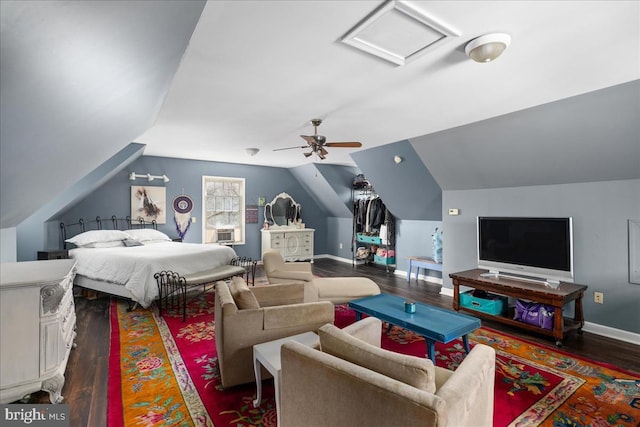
(540, 248)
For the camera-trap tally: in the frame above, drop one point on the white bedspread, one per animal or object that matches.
(134, 267)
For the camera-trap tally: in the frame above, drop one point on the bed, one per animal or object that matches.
(123, 262)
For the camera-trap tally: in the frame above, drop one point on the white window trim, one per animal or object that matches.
(243, 219)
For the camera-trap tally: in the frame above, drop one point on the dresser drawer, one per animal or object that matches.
(68, 317)
(275, 237)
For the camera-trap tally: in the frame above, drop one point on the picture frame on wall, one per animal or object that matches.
(148, 203)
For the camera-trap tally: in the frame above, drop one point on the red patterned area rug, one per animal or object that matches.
(163, 372)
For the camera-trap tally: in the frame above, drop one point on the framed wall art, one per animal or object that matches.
(148, 203)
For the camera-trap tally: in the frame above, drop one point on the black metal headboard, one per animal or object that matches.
(114, 223)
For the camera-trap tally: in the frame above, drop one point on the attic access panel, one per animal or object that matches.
(398, 32)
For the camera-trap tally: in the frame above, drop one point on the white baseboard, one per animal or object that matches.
(431, 279)
(447, 291)
(609, 332)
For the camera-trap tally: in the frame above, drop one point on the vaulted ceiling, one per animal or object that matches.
(81, 80)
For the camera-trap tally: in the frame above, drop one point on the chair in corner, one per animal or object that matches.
(245, 317)
(279, 271)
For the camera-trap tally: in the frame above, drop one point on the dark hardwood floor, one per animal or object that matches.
(85, 389)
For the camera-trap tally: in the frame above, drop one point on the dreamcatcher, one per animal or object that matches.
(182, 207)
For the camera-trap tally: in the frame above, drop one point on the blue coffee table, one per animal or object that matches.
(433, 323)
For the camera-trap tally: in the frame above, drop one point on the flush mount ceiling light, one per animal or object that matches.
(488, 47)
(398, 32)
(252, 151)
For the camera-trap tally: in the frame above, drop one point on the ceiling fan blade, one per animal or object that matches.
(308, 154)
(310, 140)
(344, 144)
(289, 148)
(322, 152)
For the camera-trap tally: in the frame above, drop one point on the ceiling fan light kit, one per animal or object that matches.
(488, 47)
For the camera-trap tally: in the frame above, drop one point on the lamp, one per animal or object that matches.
(488, 47)
(133, 176)
(252, 151)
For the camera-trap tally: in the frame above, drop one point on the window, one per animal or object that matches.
(223, 210)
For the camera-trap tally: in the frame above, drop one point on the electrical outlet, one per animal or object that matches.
(340, 245)
(598, 297)
(193, 219)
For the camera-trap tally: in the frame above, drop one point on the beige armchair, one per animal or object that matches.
(356, 383)
(244, 317)
(338, 290)
(279, 271)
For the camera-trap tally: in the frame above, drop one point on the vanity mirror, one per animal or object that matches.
(284, 231)
(282, 211)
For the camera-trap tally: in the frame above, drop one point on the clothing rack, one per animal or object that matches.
(370, 217)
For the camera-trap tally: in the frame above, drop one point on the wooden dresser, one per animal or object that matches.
(37, 327)
(294, 244)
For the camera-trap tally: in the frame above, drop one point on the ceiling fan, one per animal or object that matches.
(318, 143)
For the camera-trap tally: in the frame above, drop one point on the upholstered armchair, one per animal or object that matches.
(279, 271)
(356, 383)
(244, 317)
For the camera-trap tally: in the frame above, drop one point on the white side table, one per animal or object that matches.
(268, 354)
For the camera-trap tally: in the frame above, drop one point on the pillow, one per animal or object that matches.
(98, 236)
(113, 244)
(415, 371)
(131, 242)
(147, 234)
(242, 295)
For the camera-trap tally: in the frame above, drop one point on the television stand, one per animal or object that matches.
(497, 274)
(557, 297)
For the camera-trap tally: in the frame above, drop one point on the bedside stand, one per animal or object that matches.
(53, 254)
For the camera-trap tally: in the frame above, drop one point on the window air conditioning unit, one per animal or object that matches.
(225, 235)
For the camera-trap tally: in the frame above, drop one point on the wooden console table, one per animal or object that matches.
(527, 290)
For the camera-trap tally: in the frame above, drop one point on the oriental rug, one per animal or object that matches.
(163, 372)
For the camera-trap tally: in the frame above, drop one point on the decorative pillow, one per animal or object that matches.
(242, 295)
(414, 371)
(132, 242)
(98, 236)
(147, 234)
(114, 244)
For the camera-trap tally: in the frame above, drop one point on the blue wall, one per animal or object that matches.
(407, 189)
(114, 197)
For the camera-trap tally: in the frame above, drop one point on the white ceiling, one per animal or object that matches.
(256, 72)
(80, 80)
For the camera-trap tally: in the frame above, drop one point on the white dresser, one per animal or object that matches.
(37, 327)
(294, 244)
